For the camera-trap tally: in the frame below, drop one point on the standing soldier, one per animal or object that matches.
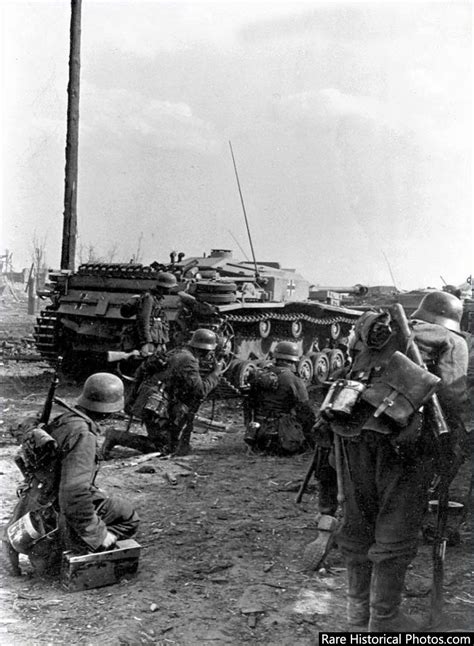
(151, 331)
(60, 468)
(180, 385)
(387, 469)
(277, 410)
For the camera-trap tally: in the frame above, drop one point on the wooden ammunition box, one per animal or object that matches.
(101, 568)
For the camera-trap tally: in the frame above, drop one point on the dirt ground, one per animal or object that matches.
(222, 542)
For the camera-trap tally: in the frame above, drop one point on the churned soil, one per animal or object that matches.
(221, 546)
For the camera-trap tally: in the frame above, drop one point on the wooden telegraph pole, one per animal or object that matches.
(68, 250)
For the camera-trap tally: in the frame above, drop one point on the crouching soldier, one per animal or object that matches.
(277, 410)
(59, 500)
(167, 397)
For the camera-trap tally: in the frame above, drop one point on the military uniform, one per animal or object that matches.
(151, 325)
(386, 484)
(178, 375)
(186, 390)
(85, 513)
(279, 403)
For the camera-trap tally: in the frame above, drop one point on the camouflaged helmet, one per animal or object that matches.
(287, 351)
(166, 280)
(441, 308)
(102, 393)
(203, 339)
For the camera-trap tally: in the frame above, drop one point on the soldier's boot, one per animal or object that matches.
(183, 446)
(251, 432)
(316, 552)
(327, 478)
(125, 438)
(358, 595)
(159, 436)
(11, 558)
(388, 579)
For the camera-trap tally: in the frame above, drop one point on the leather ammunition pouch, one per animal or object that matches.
(400, 389)
(341, 398)
(281, 435)
(157, 403)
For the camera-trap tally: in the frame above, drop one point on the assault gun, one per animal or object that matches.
(48, 404)
(441, 432)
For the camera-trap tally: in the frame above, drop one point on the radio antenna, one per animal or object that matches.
(239, 245)
(243, 208)
(390, 269)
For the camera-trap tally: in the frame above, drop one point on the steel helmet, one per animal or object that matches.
(166, 279)
(441, 308)
(102, 393)
(203, 339)
(286, 350)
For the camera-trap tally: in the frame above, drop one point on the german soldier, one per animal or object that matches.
(151, 332)
(180, 385)
(63, 487)
(387, 471)
(277, 406)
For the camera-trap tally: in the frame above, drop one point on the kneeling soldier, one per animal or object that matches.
(277, 408)
(60, 490)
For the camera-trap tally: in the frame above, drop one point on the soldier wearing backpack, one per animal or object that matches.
(277, 410)
(167, 395)
(389, 449)
(60, 464)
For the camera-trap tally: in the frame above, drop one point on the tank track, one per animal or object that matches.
(294, 316)
(45, 334)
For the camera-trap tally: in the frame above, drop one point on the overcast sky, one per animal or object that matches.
(351, 125)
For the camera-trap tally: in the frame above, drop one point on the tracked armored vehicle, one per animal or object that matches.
(251, 307)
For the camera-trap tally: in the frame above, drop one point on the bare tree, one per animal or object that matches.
(112, 252)
(88, 253)
(137, 256)
(38, 259)
(92, 255)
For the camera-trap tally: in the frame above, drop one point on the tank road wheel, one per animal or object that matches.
(296, 329)
(336, 361)
(264, 329)
(305, 370)
(335, 331)
(320, 363)
(225, 339)
(241, 372)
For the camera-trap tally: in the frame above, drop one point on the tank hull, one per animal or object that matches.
(249, 313)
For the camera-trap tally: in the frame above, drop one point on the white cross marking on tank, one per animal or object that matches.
(291, 288)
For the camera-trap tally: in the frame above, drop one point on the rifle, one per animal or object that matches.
(441, 433)
(48, 404)
(313, 467)
(116, 356)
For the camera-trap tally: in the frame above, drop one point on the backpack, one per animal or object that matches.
(265, 378)
(282, 436)
(39, 451)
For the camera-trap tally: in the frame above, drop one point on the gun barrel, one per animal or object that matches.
(356, 290)
(48, 405)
